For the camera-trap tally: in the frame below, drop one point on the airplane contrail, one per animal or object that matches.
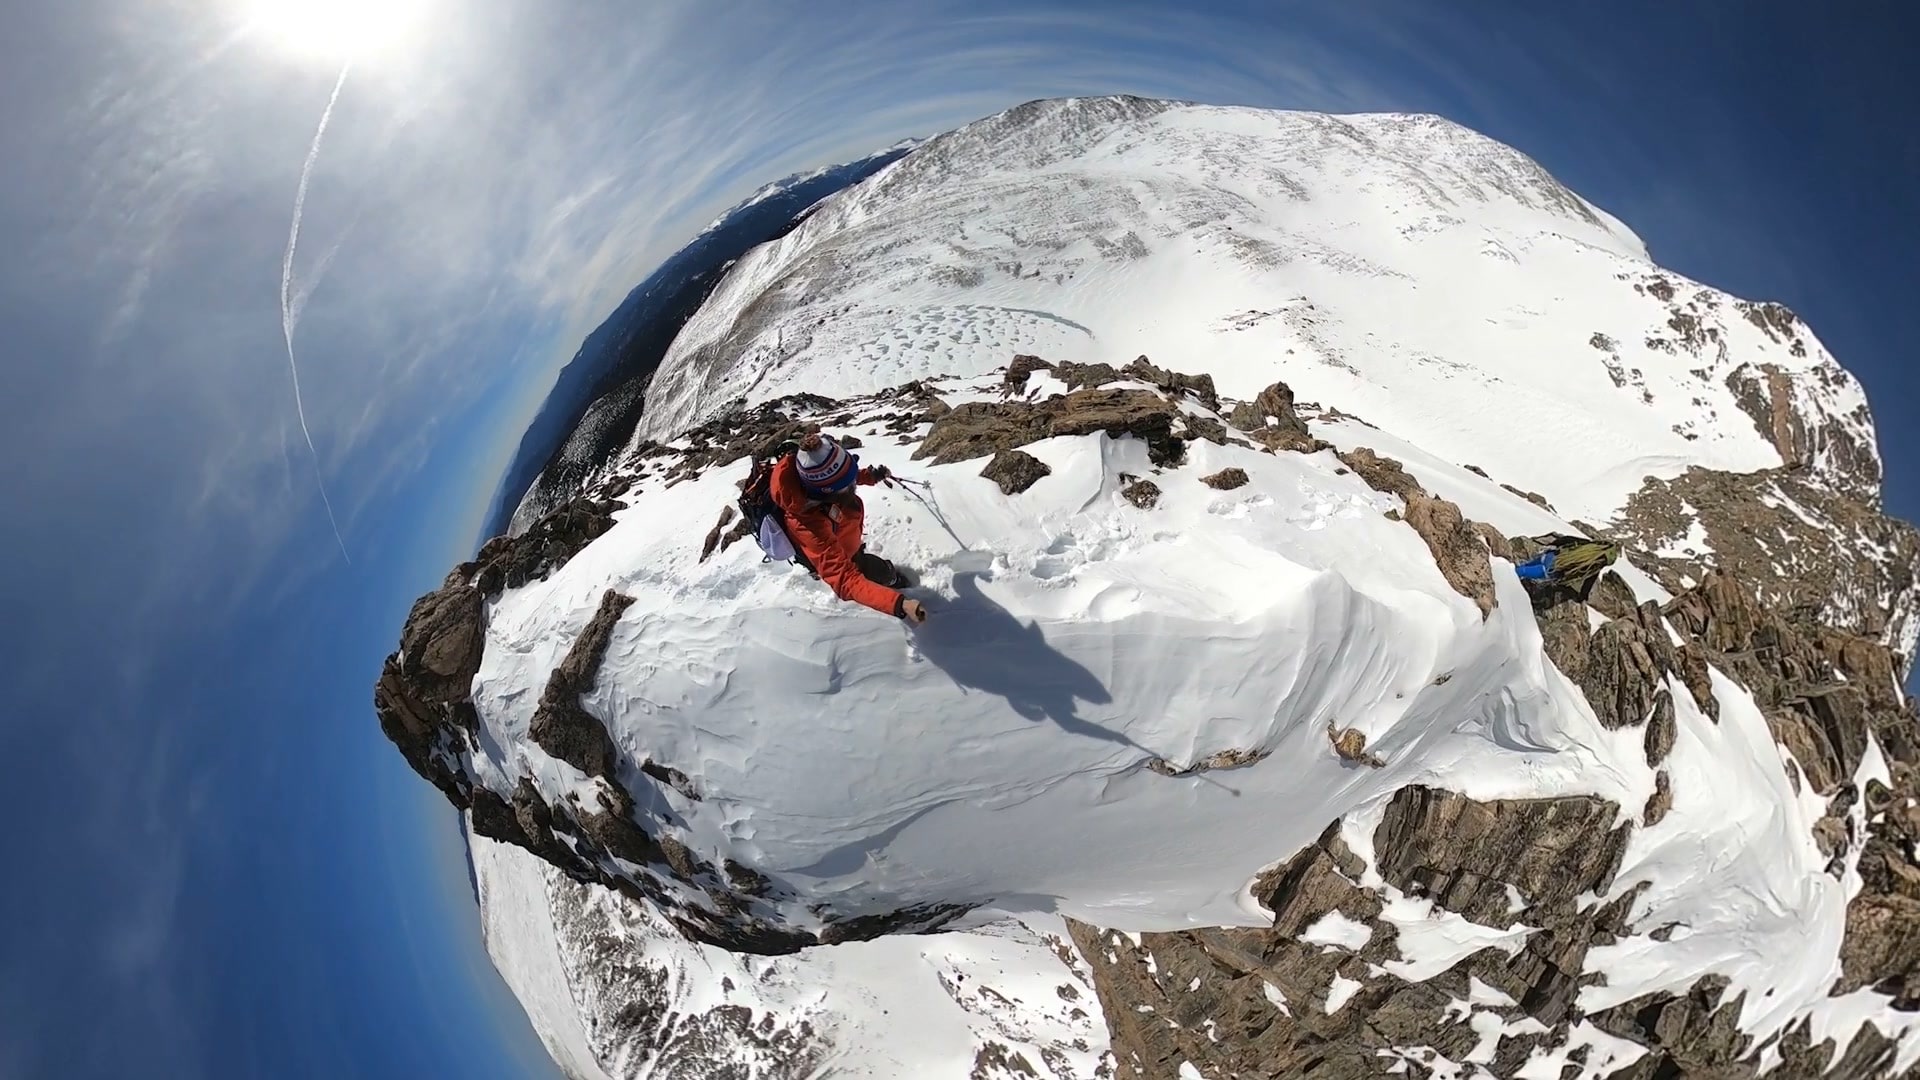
(289, 316)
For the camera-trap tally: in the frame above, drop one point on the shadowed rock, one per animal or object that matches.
(560, 725)
(1273, 421)
(1014, 383)
(1462, 852)
(1015, 471)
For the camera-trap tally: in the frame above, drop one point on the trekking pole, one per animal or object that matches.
(914, 488)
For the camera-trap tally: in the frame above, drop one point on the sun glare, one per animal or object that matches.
(336, 30)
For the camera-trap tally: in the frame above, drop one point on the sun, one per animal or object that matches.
(336, 30)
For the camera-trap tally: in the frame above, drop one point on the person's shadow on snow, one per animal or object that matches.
(981, 646)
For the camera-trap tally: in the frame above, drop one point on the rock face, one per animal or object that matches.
(1456, 543)
(1256, 1003)
(1771, 397)
(1795, 543)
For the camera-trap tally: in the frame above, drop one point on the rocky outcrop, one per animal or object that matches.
(1463, 854)
(1015, 471)
(1622, 667)
(508, 562)
(979, 428)
(1141, 492)
(1795, 544)
(563, 728)
(1257, 1002)
(1823, 690)
(1805, 436)
(1456, 543)
(1274, 421)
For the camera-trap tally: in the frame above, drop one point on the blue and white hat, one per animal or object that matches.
(828, 467)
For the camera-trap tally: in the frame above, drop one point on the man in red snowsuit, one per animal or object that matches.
(815, 488)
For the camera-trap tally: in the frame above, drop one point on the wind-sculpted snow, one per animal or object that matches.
(1075, 640)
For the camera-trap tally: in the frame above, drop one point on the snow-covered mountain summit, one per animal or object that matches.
(1411, 271)
(1228, 652)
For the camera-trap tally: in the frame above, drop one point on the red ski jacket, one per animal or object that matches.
(827, 535)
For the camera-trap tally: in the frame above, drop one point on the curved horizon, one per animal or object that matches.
(223, 867)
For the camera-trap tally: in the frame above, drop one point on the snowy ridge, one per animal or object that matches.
(1194, 654)
(1066, 613)
(1414, 272)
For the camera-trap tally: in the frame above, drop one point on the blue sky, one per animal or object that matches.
(216, 865)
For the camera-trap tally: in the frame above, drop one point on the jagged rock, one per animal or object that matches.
(1662, 728)
(1079, 376)
(1458, 547)
(1208, 429)
(560, 725)
(430, 735)
(1273, 416)
(1533, 497)
(533, 828)
(997, 1059)
(712, 541)
(1830, 834)
(1819, 689)
(1015, 471)
(1621, 667)
(508, 562)
(1382, 473)
(1792, 542)
(613, 829)
(422, 695)
(1496, 541)
(1144, 494)
(1693, 1030)
(979, 428)
(1304, 888)
(1626, 663)
(1226, 479)
(1173, 382)
(1139, 413)
(1023, 367)
(927, 919)
(1462, 852)
(1765, 392)
(1612, 596)
(1882, 942)
(441, 643)
(1660, 802)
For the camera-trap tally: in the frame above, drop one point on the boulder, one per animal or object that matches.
(1015, 471)
(1226, 479)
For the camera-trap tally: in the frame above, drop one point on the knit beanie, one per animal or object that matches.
(825, 466)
